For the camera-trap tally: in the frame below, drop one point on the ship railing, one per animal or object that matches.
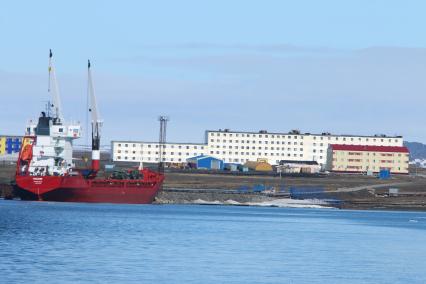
(121, 183)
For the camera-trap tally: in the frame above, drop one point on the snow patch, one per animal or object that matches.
(283, 202)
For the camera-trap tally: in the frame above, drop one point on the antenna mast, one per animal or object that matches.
(163, 130)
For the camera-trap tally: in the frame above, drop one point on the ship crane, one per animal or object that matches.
(96, 122)
(54, 90)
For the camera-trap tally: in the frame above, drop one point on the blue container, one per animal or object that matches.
(384, 174)
(313, 192)
(243, 189)
(258, 188)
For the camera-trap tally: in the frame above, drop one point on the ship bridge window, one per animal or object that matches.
(61, 130)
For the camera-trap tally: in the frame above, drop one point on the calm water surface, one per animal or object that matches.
(86, 243)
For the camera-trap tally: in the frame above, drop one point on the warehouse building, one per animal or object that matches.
(258, 166)
(365, 158)
(240, 147)
(297, 167)
(206, 162)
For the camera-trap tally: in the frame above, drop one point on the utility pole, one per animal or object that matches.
(161, 145)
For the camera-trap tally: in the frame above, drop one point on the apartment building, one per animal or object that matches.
(149, 152)
(363, 158)
(241, 146)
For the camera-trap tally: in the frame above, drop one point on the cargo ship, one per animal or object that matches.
(45, 169)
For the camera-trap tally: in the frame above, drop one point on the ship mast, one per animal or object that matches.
(96, 122)
(54, 90)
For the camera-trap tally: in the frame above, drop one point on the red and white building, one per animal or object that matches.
(367, 158)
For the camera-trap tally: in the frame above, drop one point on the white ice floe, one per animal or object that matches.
(282, 202)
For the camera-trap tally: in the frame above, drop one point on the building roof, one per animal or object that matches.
(165, 143)
(201, 157)
(365, 148)
(325, 134)
(282, 162)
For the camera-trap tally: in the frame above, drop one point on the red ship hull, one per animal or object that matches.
(80, 189)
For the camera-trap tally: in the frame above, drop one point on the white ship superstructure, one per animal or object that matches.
(53, 137)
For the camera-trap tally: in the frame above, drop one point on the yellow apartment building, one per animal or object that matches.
(364, 158)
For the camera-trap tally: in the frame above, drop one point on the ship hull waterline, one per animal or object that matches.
(98, 191)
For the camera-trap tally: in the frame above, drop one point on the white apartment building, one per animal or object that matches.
(148, 152)
(239, 146)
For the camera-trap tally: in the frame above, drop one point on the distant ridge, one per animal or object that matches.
(417, 150)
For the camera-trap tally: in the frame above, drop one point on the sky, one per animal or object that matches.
(345, 67)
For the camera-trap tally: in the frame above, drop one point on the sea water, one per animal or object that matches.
(43, 242)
